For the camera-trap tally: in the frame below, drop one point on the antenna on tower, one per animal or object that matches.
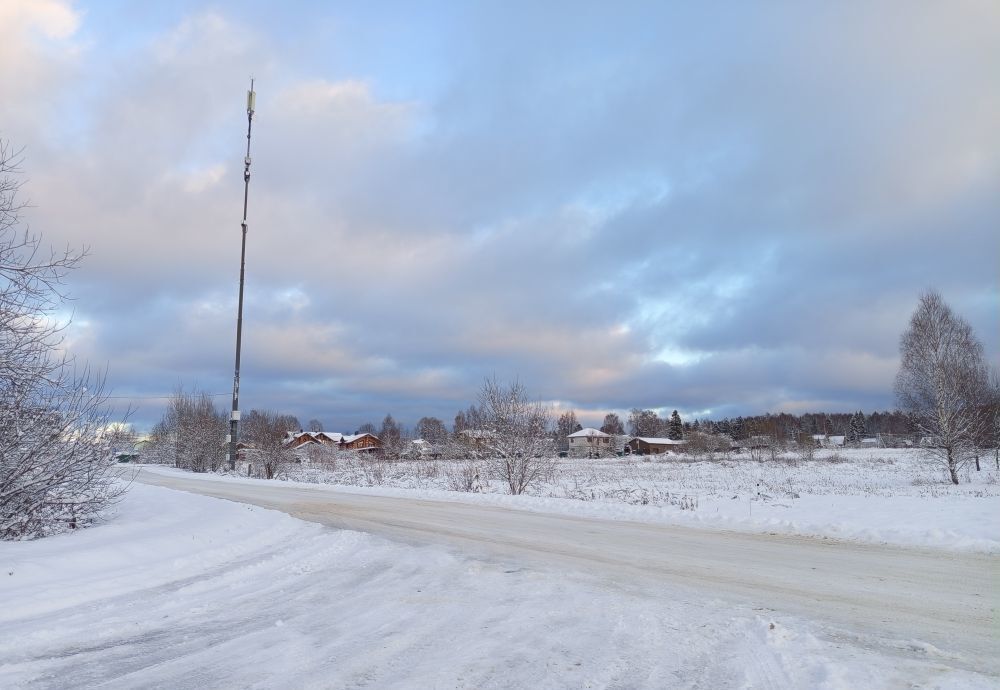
(234, 417)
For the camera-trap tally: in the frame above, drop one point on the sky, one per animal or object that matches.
(722, 209)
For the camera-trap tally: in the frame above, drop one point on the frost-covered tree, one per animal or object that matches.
(565, 425)
(613, 425)
(517, 445)
(190, 434)
(264, 433)
(392, 437)
(675, 429)
(943, 382)
(56, 439)
(288, 422)
(644, 423)
(432, 430)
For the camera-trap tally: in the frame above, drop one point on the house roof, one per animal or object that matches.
(589, 431)
(316, 436)
(659, 441)
(351, 438)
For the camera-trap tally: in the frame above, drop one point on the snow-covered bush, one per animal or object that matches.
(57, 469)
(190, 435)
(518, 448)
(464, 477)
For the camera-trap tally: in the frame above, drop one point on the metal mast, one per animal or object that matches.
(234, 417)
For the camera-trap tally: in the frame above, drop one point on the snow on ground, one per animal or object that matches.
(883, 496)
(184, 591)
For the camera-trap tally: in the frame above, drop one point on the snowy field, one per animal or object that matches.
(879, 496)
(182, 591)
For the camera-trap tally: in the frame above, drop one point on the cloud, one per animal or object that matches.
(664, 207)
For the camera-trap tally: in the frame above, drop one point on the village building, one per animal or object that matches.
(479, 439)
(589, 443)
(359, 442)
(421, 448)
(828, 441)
(645, 445)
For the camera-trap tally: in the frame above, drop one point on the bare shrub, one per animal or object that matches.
(373, 467)
(806, 448)
(518, 449)
(426, 468)
(321, 455)
(464, 477)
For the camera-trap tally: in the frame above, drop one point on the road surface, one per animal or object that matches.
(874, 596)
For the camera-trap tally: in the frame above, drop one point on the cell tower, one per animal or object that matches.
(234, 417)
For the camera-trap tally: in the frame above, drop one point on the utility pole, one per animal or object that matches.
(234, 417)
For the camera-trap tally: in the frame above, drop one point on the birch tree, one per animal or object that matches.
(943, 382)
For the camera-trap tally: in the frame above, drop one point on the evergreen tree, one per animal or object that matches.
(675, 429)
(856, 430)
(739, 433)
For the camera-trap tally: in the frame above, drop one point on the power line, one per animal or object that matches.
(158, 397)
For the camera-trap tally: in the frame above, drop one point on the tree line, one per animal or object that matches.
(949, 407)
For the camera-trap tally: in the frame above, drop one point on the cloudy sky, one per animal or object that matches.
(724, 210)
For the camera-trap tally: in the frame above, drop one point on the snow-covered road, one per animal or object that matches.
(178, 590)
(877, 597)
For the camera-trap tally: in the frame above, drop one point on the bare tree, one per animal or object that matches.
(943, 383)
(518, 449)
(315, 425)
(994, 416)
(565, 425)
(190, 434)
(264, 432)
(392, 437)
(467, 420)
(432, 430)
(56, 460)
(644, 423)
(613, 425)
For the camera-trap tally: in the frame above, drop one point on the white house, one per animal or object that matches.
(589, 443)
(827, 441)
(420, 448)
